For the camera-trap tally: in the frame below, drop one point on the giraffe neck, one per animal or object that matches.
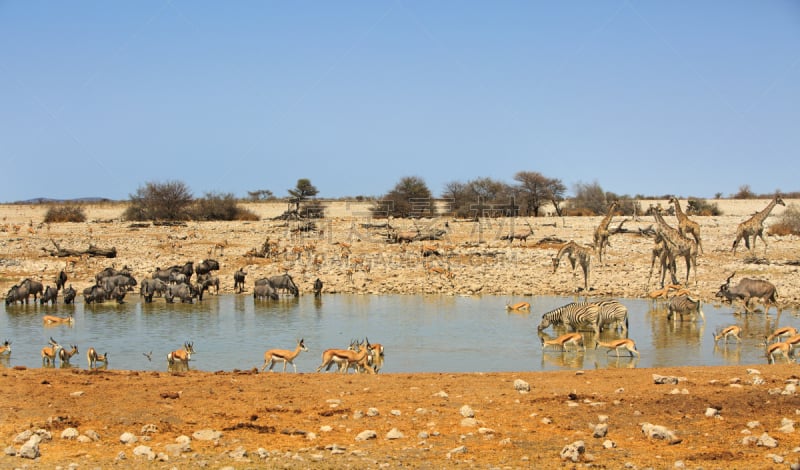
(678, 212)
(759, 217)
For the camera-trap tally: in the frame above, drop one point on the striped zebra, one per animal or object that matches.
(684, 305)
(613, 314)
(574, 315)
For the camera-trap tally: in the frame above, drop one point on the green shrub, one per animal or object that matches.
(65, 213)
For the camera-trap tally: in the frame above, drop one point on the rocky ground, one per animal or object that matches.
(720, 417)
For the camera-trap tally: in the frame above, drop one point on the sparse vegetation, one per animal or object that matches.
(65, 213)
(161, 201)
(215, 206)
(702, 207)
(788, 224)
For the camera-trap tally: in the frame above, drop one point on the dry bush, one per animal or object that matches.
(246, 215)
(65, 213)
(702, 207)
(788, 223)
(579, 212)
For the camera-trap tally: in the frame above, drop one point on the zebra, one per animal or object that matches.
(574, 315)
(614, 314)
(684, 305)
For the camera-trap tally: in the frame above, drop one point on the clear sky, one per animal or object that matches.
(643, 97)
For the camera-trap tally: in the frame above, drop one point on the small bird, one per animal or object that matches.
(149, 355)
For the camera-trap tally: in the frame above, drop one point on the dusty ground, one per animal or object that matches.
(298, 419)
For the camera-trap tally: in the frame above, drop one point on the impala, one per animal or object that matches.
(52, 320)
(65, 355)
(274, 355)
(5, 348)
(92, 358)
(617, 344)
(786, 331)
(565, 339)
(774, 348)
(50, 353)
(732, 330)
(345, 357)
(181, 355)
(519, 307)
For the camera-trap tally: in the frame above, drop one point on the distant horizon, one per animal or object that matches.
(692, 99)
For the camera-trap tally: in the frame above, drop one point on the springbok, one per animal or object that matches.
(617, 344)
(52, 320)
(92, 358)
(377, 348)
(782, 348)
(274, 355)
(65, 355)
(563, 340)
(519, 307)
(732, 330)
(779, 333)
(345, 357)
(50, 353)
(5, 348)
(181, 355)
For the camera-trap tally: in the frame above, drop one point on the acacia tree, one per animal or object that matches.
(171, 200)
(537, 189)
(408, 188)
(302, 191)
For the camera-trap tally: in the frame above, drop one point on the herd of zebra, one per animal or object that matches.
(171, 283)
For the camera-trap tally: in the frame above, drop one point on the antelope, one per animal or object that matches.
(732, 330)
(274, 355)
(65, 355)
(345, 357)
(665, 292)
(92, 358)
(565, 339)
(617, 344)
(181, 355)
(519, 307)
(5, 348)
(786, 331)
(377, 348)
(792, 341)
(50, 353)
(51, 319)
(781, 347)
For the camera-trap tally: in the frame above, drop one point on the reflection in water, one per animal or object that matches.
(427, 333)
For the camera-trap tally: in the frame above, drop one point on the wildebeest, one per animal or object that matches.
(107, 272)
(125, 281)
(17, 293)
(69, 295)
(94, 294)
(206, 266)
(187, 269)
(61, 280)
(317, 288)
(162, 275)
(206, 282)
(748, 289)
(238, 281)
(35, 288)
(176, 277)
(264, 291)
(50, 296)
(185, 292)
(284, 281)
(149, 287)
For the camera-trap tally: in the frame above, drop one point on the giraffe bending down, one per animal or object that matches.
(678, 244)
(576, 254)
(685, 224)
(666, 260)
(754, 227)
(601, 234)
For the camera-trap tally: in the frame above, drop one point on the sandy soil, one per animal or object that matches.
(307, 420)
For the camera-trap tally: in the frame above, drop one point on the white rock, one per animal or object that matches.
(70, 433)
(394, 434)
(366, 435)
(128, 438)
(467, 412)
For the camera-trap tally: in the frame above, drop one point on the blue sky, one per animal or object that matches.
(687, 98)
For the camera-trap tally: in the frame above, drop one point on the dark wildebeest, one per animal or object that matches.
(238, 281)
(161, 274)
(317, 288)
(206, 266)
(61, 280)
(69, 295)
(205, 282)
(284, 281)
(107, 272)
(149, 287)
(50, 296)
(185, 292)
(35, 288)
(176, 277)
(17, 294)
(264, 291)
(94, 294)
(187, 269)
(125, 281)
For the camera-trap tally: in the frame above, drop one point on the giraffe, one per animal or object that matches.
(685, 224)
(754, 226)
(678, 244)
(575, 253)
(666, 259)
(601, 234)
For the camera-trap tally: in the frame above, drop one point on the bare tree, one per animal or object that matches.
(537, 189)
(160, 201)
